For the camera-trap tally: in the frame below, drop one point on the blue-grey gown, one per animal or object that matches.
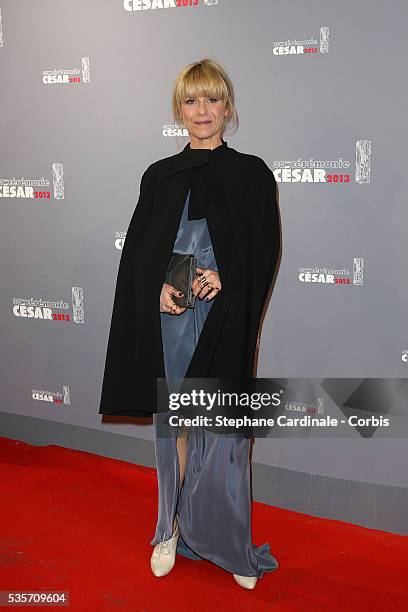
(214, 504)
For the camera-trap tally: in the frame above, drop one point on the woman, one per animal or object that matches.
(220, 205)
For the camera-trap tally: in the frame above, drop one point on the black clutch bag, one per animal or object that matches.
(181, 273)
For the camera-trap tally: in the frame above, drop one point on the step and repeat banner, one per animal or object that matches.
(86, 107)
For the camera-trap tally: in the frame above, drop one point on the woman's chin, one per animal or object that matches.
(205, 131)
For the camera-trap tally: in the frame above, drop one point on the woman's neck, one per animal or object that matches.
(205, 143)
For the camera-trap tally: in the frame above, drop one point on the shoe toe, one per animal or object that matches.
(159, 571)
(247, 582)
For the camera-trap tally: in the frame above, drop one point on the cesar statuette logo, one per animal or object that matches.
(51, 310)
(68, 76)
(303, 47)
(35, 188)
(333, 171)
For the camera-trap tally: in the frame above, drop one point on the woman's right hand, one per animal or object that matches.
(167, 303)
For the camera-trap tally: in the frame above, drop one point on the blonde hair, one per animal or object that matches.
(204, 78)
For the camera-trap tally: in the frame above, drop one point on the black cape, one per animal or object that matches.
(236, 192)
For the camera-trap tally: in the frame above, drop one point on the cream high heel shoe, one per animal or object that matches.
(247, 582)
(164, 555)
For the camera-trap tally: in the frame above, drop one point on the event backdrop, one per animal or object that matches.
(321, 96)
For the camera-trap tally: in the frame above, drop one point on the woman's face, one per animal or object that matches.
(203, 117)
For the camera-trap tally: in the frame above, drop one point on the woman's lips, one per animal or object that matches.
(202, 122)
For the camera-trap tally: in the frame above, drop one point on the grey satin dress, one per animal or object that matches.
(214, 504)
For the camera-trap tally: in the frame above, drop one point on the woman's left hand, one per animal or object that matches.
(211, 286)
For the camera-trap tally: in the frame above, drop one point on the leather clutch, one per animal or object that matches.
(181, 273)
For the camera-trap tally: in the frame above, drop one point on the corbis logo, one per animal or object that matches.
(35, 188)
(331, 276)
(51, 310)
(336, 171)
(174, 129)
(143, 5)
(119, 240)
(53, 397)
(67, 76)
(404, 356)
(301, 47)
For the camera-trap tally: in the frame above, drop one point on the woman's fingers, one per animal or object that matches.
(171, 307)
(211, 287)
(172, 290)
(202, 292)
(196, 286)
(206, 290)
(211, 294)
(167, 303)
(174, 309)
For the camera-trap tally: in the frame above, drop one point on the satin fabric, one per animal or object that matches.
(214, 504)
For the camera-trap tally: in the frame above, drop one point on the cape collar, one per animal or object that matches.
(193, 158)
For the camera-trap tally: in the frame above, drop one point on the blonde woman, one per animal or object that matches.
(218, 204)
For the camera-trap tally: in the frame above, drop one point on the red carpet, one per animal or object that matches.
(81, 523)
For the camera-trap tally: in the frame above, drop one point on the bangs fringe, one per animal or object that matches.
(202, 81)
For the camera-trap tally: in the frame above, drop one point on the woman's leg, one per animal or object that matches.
(182, 444)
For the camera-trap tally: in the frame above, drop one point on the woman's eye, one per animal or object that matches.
(193, 100)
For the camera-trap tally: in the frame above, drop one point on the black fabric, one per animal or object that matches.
(197, 208)
(236, 192)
